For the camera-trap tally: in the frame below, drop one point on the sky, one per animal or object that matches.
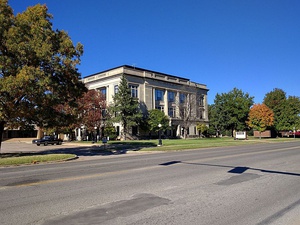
(252, 45)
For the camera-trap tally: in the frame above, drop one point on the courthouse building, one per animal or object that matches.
(183, 101)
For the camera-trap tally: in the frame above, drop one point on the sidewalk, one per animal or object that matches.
(18, 140)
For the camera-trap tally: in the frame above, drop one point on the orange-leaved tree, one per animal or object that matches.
(260, 117)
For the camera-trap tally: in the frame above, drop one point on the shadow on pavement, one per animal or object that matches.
(79, 151)
(94, 150)
(233, 169)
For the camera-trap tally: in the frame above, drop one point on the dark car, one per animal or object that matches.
(47, 140)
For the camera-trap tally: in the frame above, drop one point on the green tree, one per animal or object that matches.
(110, 132)
(260, 117)
(293, 110)
(157, 117)
(215, 120)
(275, 100)
(231, 110)
(290, 114)
(37, 68)
(286, 110)
(125, 108)
(202, 128)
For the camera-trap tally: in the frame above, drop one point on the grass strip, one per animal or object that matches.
(34, 159)
(185, 144)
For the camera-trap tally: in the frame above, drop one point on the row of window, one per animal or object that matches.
(133, 88)
(159, 94)
(172, 111)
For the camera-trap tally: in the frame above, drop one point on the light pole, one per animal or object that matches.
(159, 135)
(294, 132)
(95, 136)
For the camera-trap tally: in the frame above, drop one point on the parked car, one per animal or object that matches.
(47, 140)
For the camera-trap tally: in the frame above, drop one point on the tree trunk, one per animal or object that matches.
(39, 133)
(217, 132)
(2, 123)
(184, 133)
(124, 134)
(259, 134)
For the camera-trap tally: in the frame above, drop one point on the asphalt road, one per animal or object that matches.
(257, 184)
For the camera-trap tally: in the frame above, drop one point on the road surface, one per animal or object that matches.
(255, 184)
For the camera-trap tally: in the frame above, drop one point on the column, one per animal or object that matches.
(177, 101)
(153, 98)
(166, 103)
(79, 134)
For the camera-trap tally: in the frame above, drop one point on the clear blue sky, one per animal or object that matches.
(253, 45)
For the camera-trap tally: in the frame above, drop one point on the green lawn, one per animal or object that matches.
(184, 144)
(142, 145)
(33, 159)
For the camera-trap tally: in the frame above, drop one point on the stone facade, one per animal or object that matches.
(183, 101)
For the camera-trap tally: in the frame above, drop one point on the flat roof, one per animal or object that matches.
(138, 68)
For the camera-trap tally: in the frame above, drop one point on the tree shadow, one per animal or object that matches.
(79, 151)
(233, 169)
(170, 163)
(94, 150)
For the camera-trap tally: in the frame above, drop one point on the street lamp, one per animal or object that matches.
(95, 137)
(159, 135)
(294, 132)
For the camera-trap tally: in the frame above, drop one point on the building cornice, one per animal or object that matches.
(140, 72)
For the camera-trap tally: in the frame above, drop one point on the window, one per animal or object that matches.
(171, 112)
(116, 89)
(200, 113)
(201, 100)
(103, 91)
(103, 113)
(161, 108)
(159, 94)
(134, 91)
(118, 130)
(171, 96)
(182, 98)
